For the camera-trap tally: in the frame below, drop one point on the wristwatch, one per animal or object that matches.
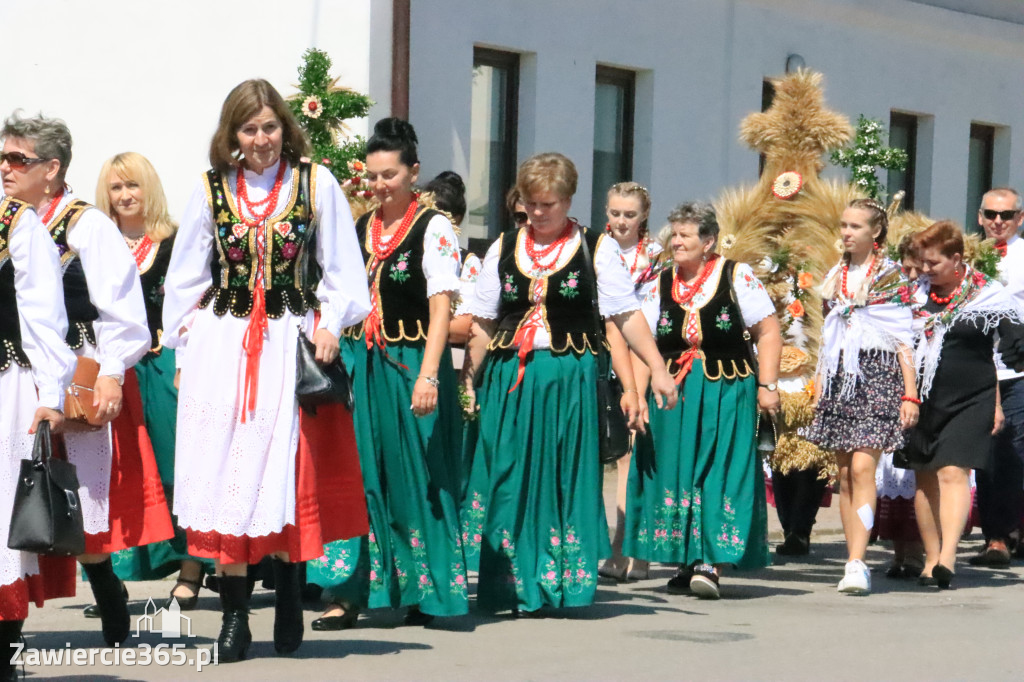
(770, 386)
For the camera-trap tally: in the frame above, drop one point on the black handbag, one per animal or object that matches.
(47, 514)
(315, 384)
(767, 427)
(613, 431)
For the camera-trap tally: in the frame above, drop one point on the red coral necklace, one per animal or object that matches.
(52, 208)
(380, 251)
(846, 272)
(258, 215)
(636, 256)
(683, 293)
(537, 255)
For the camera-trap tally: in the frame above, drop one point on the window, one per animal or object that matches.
(979, 171)
(614, 104)
(903, 135)
(492, 154)
(767, 97)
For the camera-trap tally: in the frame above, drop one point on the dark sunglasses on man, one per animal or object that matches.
(17, 160)
(1005, 215)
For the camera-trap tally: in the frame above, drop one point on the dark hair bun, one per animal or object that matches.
(395, 129)
(451, 178)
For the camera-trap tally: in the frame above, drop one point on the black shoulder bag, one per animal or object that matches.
(613, 430)
(315, 384)
(47, 515)
(767, 429)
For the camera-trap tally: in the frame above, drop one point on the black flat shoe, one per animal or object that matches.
(926, 581)
(93, 611)
(416, 617)
(680, 582)
(943, 576)
(795, 545)
(536, 614)
(345, 621)
(184, 603)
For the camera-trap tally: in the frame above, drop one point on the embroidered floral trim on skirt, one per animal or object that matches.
(413, 554)
(871, 418)
(696, 491)
(544, 528)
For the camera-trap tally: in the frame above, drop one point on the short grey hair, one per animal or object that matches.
(701, 214)
(1018, 203)
(51, 137)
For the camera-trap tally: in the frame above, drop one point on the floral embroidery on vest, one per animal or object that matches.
(400, 269)
(664, 325)
(570, 287)
(509, 290)
(723, 321)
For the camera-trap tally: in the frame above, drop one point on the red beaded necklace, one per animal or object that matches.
(636, 256)
(141, 250)
(259, 215)
(846, 272)
(52, 207)
(377, 226)
(537, 255)
(683, 293)
(943, 300)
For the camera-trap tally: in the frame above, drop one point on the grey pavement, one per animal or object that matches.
(784, 622)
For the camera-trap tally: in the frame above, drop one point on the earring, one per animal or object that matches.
(876, 246)
(607, 227)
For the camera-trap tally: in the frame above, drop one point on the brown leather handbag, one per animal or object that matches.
(79, 412)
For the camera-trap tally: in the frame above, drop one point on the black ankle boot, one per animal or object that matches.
(10, 633)
(288, 625)
(111, 600)
(235, 637)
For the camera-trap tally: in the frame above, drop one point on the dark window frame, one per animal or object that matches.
(987, 135)
(911, 122)
(624, 79)
(510, 63)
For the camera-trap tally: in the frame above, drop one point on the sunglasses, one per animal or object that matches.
(18, 160)
(1005, 215)
(520, 217)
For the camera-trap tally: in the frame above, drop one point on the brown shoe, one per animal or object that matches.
(995, 555)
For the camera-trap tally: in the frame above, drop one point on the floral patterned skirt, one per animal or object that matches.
(413, 554)
(871, 418)
(544, 528)
(696, 491)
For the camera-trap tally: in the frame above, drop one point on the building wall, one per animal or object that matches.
(151, 76)
(700, 67)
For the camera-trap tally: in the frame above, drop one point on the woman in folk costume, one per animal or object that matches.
(628, 209)
(536, 302)
(130, 192)
(865, 388)
(122, 500)
(35, 368)
(408, 424)
(696, 487)
(254, 476)
(961, 311)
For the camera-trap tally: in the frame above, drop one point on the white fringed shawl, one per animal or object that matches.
(984, 305)
(880, 306)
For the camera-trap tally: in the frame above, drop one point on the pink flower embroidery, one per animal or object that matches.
(235, 254)
(550, 575)
(570, 538)
(289, 250)
(402, 265)
(476, 504)
(508, 287)
(555, 541)
(572, 283)
(424, 580)
(415, 542)
(668, 502)
(505, 543)
(460, 579)
(373, 574)
(477, 538)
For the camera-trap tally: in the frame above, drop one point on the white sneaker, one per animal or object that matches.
(857, 579)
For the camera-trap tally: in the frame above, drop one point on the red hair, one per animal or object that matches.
(944, 235)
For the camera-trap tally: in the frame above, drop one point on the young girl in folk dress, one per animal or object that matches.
(866, 386)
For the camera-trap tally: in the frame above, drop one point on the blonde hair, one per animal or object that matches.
(137, 168)
(547, 172)
(638, 191)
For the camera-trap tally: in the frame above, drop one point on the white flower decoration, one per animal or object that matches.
(728, 241)
(312, 107)
(787, 185)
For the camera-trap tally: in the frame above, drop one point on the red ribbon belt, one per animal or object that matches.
(685, 362)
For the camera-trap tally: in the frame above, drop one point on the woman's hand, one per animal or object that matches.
(645, 417)
(909, 413)
(326, 346)
(631, 408)
(177, 379)
(1000, 420)
(55, 417)
(666, 394)
(769, 401)
(107, 398)
(424, 397)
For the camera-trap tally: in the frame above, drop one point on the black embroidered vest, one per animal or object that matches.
(11, 211)
(719, 327)
(81, 312)
(235, 260)
(399, 283)
(152, 275)
(567, 298)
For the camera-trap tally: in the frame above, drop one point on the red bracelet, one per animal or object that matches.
(908, 399)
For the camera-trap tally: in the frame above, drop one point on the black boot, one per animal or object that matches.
(235, 637)
(10, 633)
(111, 600)
(288, 625)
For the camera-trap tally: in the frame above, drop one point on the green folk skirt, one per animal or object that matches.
(696, 487)
(543, 529)
(413, 555)
(160, 407)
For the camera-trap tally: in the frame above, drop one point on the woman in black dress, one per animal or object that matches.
(961, 311)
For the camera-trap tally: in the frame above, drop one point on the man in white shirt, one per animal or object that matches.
(1000, 484)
